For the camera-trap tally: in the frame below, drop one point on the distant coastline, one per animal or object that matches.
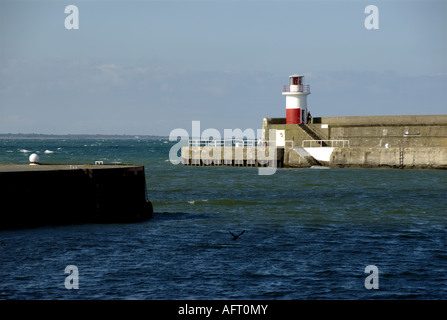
(76, 136)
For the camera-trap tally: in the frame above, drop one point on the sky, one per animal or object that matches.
(149, 67)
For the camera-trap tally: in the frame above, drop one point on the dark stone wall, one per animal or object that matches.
(55, 197)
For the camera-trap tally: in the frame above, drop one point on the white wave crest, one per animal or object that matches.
(197, 201)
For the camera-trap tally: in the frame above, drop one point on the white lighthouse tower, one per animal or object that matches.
(296, 99)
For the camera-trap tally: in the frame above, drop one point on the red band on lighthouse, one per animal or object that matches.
(293, 116)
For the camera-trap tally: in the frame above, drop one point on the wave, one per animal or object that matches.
(233, 202)
(48, 151)
(24, 150)
(197, 201)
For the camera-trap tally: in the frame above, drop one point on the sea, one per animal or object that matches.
(309, 234)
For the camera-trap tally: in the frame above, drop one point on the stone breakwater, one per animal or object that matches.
(36, 195)
(418, 142)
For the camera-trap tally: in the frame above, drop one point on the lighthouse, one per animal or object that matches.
(296, 93)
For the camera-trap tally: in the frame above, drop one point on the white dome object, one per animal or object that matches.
(33, 158)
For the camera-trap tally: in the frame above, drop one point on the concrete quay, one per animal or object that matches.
(403, 158)
(253, 156)
(407, 142)
(38, 195)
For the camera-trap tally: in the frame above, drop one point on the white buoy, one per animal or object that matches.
(33, 159)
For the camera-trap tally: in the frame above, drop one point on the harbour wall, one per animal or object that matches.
(256, 156)
(404, 158)
(408, 141)
(37, 195)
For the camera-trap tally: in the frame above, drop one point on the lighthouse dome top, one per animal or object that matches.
(296, 75)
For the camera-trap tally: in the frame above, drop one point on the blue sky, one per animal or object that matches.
(148, 67)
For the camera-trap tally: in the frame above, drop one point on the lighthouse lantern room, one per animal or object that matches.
(296, 93)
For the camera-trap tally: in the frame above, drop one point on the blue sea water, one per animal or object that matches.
(309, 234)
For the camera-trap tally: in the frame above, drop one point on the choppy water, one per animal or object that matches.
(309, 233)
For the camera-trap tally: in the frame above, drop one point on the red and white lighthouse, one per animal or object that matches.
(296, 93)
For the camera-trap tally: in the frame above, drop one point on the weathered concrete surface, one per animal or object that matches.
(406, 158)
(232, 156)
(374, 140)
(35, 195)
(398, 120)
(371, 131)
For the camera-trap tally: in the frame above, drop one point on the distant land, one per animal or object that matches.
(75, 136)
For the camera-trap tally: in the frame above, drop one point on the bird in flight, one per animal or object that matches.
(235, 237)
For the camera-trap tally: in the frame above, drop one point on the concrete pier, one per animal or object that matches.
(37, 195)
(251, 156)
(403, 158)
(407, 141)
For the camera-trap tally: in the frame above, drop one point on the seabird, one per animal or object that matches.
(236, 236)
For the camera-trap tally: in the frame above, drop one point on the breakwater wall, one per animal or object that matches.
(36, 195)
(404, 158)
(409, 141)
(233, 156)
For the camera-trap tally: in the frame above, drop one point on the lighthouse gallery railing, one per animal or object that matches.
(296, 88)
